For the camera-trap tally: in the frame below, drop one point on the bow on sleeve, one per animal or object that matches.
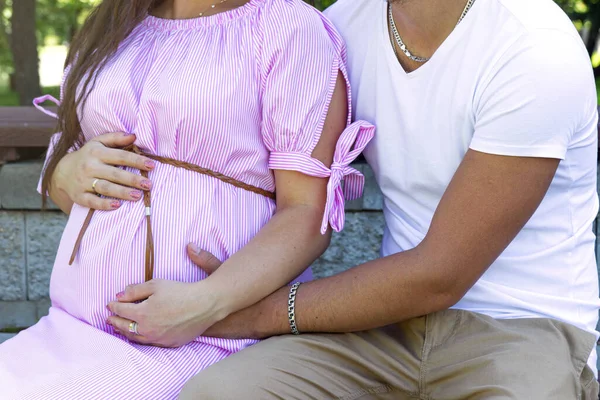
(39, 100)
(351, 143)
(54, 139)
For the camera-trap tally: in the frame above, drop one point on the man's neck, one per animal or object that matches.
(425, 24)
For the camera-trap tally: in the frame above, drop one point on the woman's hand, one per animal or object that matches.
(171, 314)
(100, 159)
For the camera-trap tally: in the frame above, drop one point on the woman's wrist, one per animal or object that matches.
(57, 191)
(57, 181)
(218, 303)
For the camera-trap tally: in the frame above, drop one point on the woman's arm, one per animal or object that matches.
(291, 240)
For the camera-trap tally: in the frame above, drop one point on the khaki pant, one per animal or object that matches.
(447, 355)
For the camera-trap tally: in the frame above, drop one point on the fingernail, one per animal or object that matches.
(135, 194)
(120, 294)
(108, 322)
(108, 308)
(115, 204)
(146, 184)
(149, 164)
(194, 248)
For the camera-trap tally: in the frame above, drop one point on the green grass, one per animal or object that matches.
(9, 98)
(598, 88)
(12, 330)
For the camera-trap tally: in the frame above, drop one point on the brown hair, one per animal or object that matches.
(97, 41)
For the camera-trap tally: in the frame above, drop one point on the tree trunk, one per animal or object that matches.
(594, 18)
(74, 23)
(3, 28)
(25, 51)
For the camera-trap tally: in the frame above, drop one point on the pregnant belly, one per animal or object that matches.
(112, 253)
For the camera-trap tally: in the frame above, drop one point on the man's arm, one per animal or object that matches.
(487, 203)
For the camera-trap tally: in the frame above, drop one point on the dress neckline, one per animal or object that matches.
(167, 24)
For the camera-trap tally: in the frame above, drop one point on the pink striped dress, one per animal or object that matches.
(242, 93)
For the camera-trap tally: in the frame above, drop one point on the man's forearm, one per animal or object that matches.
(375, 294)
(487, 203)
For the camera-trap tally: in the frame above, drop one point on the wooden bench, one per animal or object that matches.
(24, 133)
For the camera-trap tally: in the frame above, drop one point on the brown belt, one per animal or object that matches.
(149, 239)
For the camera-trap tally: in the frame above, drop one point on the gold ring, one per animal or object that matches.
(94, 186)
(133, 327)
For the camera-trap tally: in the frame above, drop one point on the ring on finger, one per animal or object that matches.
(94, 186)
(133, 327)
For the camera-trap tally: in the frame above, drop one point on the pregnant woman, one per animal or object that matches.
(236, 137)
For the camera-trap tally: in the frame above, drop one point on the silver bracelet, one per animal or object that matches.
(292, 308)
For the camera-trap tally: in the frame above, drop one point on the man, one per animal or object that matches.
(486, 154)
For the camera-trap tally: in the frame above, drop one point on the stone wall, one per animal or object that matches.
(29, 239)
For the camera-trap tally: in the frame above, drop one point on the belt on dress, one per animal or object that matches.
(149, 265)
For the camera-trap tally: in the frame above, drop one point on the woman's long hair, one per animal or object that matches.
(97, 41)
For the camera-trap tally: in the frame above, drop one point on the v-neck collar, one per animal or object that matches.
(454, 36)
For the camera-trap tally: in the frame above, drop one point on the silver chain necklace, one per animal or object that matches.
(400, 42)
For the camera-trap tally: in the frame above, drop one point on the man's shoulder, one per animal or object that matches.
(535, 16)
(350, 15)
(534, 36)
(536, 63)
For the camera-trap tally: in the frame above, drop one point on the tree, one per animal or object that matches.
(24, 46)
(586, 16)
(5, 53)
(61, 18)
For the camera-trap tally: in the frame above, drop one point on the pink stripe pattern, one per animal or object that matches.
(243, 93)
(351, 143)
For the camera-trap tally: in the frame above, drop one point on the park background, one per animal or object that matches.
(35, 34)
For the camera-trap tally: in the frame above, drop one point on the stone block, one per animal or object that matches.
(5, 336)
(12, 256)
(358, 243)
(18, 186)
(354, 205)
(42, 306)
(372, 196)
(43, 233)
(372, 199)
(17, 314)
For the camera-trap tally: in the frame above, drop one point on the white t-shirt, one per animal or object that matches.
(512, 79)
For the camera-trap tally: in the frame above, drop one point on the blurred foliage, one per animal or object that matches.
(323, 4)
(58, 20)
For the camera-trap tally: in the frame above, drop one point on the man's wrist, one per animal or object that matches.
(272, 315)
